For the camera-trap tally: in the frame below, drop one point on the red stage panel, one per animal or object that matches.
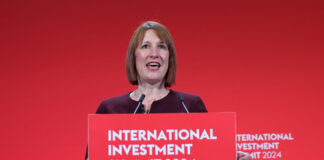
(201, 136)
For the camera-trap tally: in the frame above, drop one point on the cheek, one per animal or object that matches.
(138, 58)
(166, 59)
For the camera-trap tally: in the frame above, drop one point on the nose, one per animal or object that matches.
(154, 52)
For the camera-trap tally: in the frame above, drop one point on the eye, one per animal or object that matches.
(163, 46)
(145, 46)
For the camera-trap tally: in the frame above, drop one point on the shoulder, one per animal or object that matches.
(115, 104)
(193, 102)
(187, 96)
(115, 100)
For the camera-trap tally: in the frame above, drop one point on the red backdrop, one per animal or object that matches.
(260, 58)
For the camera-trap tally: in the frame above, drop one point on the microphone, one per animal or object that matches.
(140, 102)
(182, 102)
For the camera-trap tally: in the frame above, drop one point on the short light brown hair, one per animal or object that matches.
(137, 39)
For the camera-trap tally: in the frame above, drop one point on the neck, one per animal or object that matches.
(151, 91)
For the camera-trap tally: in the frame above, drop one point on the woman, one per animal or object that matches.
(151, 65)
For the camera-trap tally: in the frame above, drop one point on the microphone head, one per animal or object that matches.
(180, 97)
(142, 98)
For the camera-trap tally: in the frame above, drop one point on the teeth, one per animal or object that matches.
(153, 64)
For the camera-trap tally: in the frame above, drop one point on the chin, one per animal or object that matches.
(152, 80)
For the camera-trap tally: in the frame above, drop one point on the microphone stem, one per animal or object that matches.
(184, 106)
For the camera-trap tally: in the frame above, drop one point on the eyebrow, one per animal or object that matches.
(146, 42)
(161, 42)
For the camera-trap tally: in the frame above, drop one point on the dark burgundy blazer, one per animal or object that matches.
(168, 104)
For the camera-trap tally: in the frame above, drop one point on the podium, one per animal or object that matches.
(172, 136)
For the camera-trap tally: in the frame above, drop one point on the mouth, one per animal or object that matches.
(153, 66)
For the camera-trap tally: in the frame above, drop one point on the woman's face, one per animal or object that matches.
(152, 58)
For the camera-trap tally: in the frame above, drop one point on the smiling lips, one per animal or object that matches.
(153, 66)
